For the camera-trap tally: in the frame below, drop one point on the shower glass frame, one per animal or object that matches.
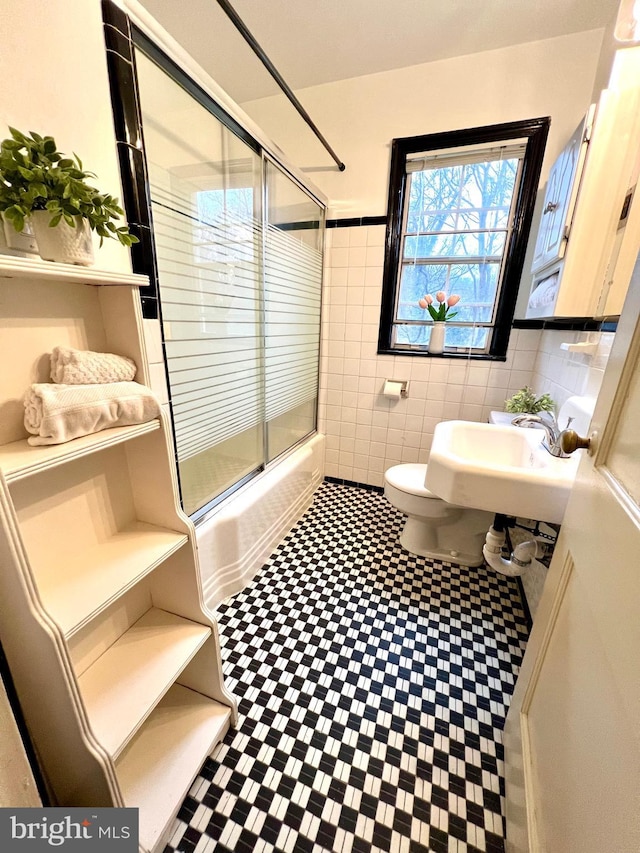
(147, 259)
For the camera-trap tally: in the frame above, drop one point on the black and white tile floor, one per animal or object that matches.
(373, 687)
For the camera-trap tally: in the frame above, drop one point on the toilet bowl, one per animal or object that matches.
(435, 528)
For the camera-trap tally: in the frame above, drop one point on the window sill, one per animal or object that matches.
(452, 355)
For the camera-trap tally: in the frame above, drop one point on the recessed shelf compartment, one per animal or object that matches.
(124, 685)
(156, 769)
(33, 268)
(96, 577)
(19, 459)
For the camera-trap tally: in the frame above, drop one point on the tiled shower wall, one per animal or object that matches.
(366, 432)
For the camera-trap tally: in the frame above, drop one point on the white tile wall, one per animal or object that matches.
(561, 373)
(366, 432)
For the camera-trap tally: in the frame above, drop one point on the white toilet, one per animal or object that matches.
(435, 528)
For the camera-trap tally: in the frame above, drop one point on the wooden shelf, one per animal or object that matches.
(93, 579)
(125, 684)
(156, 770)
(19, 459)
(12, 267)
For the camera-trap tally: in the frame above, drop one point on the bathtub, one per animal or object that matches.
(239, 535)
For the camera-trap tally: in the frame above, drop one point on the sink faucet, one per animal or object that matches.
(550, 425)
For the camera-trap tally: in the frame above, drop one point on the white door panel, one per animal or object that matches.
(572, 737)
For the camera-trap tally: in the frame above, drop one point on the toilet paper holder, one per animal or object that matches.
(390, 388)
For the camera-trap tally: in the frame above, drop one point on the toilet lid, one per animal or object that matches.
(409, 478)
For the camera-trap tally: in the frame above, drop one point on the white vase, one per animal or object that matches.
(63, 244)
(436, 338)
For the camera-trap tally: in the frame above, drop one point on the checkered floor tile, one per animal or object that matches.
(373, 687)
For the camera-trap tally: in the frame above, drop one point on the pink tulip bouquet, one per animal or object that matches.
(443, 311)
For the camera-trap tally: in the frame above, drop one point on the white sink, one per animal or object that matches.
(500, 469)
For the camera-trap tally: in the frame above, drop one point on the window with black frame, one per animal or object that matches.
(460, 212)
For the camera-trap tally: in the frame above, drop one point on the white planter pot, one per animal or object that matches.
(436, 338)
(12, 242)
(63, 243)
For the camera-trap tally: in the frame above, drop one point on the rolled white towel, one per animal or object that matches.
(71, 366)
(58, 413)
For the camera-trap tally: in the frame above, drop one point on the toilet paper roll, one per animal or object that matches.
(392, 390)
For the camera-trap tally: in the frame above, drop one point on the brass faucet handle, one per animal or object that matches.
(571, 441)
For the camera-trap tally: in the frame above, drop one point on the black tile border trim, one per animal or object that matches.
(356, 221)
(570, 324)
(366, 486)
(301, 225)
(128, 130)
(117, 41)
(115, 17)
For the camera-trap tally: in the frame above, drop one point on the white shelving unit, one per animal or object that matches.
(115, 657)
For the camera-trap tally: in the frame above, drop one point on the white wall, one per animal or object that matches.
(54, 81)
(562, 373)
(360, 116)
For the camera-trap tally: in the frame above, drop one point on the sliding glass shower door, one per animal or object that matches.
(293, 279)
(206, 204)
(240, 300)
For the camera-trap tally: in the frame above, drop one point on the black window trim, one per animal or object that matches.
(535, 131)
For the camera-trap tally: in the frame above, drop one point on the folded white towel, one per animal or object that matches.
(82, 367)
(58, 413)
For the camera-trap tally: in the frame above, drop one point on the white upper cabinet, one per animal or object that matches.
(590, 229)
(560, 197)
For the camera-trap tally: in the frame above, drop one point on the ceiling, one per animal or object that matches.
(318, 41)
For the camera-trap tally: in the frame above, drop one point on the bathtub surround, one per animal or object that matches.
(236, 538)
(373, 687)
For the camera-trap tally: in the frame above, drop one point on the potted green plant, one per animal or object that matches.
(526, 401)
(39, 184)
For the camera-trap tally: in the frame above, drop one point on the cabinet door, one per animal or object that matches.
(560, 197)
